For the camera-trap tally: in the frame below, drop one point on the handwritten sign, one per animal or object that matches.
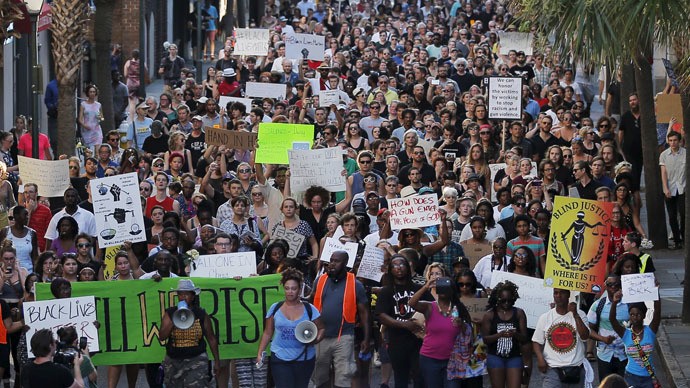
(275, 139)
(328, 98)
(223, 102)
(331, 245)
(320, 167)
(294, 239)
(51, 176)
(505, 98)
(535, 298)
(224, 266)
(238, 140)
(305, 46)
(518, 41)
(475, 306)
(371, 263)
(264, 89)
(117, 208)
(251, 41)
(54, 314)
(639, 287)
(414, 212)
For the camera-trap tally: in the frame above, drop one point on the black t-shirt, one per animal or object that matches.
(155, 146)
(455, 148)
(526, 72)
(196, 145)
(632, 137)
(46, 375)
(392, 301)
(589, 191)
(428, 175)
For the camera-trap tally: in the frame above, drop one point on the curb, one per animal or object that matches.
(676, 375)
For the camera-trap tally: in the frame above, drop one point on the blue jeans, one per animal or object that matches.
(636, 381)
(291, 374)
(434, 373)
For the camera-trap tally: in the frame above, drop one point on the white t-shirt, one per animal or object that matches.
(149, 275)
(485, 268)
(373, 239)
(558, 333)
(84, 218)
(491, 234)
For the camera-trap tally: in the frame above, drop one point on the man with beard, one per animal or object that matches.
(340, 298)
(630, 136)
(522, 69)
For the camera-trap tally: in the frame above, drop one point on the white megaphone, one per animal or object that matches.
(305, 332)
(183, 318)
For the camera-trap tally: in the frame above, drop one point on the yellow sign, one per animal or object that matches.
(576, 255)
(109, 260)
(275, 139)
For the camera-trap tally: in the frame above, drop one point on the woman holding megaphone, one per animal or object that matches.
(293, 354)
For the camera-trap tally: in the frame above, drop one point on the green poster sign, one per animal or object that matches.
(130, 314)
(275, 139)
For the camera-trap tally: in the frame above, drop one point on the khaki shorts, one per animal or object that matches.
(341, 354)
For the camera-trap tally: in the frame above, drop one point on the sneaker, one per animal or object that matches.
(377, 361)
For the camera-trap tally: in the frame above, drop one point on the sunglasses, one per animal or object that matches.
(83, 245)
(418, 152)
(613, 285)
(567, 156)
(484, 133)
(603, 126)
(461, 285)
(145, 188)
(257, 194)
(369, 180)
(244, 171)
(74, 167)
(365, 161)
(520, 204)
(158, 165)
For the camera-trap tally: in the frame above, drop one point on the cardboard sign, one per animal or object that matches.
(263, 89)
(579, 240)
(475, 306)
(51, 176)
(328, 98)
(639, 287)
(475, 252)
(224, 100)
(505, 98)
(225, 265)
(667, 106)
(275, 139)
(331, 245)
(54, 314)
(535, 298)
(117, 209)
(251, 41)
(321, 167)
(518, 41)
(416, 211)
(370, 265)
(238, 140)
(305, 46)
(294, 239)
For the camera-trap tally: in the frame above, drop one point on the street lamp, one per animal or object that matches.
(33, 7)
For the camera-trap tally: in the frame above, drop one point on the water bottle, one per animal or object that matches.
(260, 364)
(455, 314)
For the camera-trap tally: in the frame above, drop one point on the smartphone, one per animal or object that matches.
(435, 82)
(8, 270)
(83, 341)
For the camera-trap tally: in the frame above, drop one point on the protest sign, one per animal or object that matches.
(264, 89)
(224, 100)
(130, 314)
(505, 98)
(667, 106)
(109, 261)
(294, 239)
(305, 46)
(251, 41)
(237, 140)
(331, 245)
(117, 208)
(414, 212)
(329, 97)
(475, 306)
(371, 263)
(535, 298)
(670, 72)
(51, 176)
(322, 167)
(496, 167)
(57, 313)
(518, 41)
(224, 265)
(275, 139)
(639, 287)
(579, 239)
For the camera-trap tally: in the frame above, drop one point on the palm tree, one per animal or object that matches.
(10, 12)
(68, 26)
(103, 27)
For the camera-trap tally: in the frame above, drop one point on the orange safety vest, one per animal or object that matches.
(349, 299)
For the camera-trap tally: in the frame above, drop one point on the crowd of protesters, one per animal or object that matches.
(412, 119)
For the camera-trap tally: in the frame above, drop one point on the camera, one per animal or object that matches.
(65, 355)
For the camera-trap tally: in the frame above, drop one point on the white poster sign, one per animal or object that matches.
(535, 298)
(251, 41)
(117, 208)
(414, 212)
(639, 287)
(518, 41)
(51, 176)
(225, 265)
(224, 100)
(331, 245)
(370, 266)
(505, 98)
(263, 89)
(328, 98)
(305, 46)
(321, 167)
(56, 313)
(294, 239)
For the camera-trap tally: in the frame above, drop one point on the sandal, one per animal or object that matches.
(213, 57)
(591, 356)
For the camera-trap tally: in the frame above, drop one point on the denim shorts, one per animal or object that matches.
(497, 362)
